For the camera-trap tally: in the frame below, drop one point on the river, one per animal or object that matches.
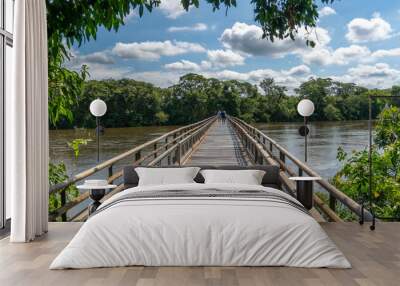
(324, 139)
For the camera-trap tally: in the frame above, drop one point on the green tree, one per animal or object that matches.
(195, 97)
(332, 113)
(353, 177)
(317, 90)
(388, 126)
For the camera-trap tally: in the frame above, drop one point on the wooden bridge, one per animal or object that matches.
(211, 142)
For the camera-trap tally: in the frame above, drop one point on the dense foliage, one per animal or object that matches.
(353, 178)
(58, 174)
(134, 103)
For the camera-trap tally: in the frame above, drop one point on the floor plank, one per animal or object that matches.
(375, 257)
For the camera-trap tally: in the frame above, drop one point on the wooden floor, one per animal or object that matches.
(375, 257)
(220, 147)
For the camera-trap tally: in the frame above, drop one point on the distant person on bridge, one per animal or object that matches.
(223, 116)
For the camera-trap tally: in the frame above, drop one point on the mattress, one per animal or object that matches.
(201, 225)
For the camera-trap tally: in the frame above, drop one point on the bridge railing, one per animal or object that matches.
(172, 148)
(264, 150)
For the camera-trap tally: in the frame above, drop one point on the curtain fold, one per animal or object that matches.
(27, 152)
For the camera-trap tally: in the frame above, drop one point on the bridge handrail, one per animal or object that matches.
(262, 139)
(180, 135)
(114, 160)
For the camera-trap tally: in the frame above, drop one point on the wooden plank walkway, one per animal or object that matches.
(221, 146)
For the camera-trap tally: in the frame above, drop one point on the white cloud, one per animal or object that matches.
(224, 58)
(102, 57)
(321, 57)
(290, 78)
(298, 71)
(340, 56)
(345, 55)
(378, 70)
(183, 66)
(247, 39)
(98, 57)
(216, 59)
(196, 28)
(99, 71)
(385, 53)
(326, 11)
(363, 30)
(152, 50)
(379, 75)
(172, 8)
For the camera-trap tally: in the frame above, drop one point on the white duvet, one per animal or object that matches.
(200, 231)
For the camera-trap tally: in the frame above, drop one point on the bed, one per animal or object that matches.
(197, 224)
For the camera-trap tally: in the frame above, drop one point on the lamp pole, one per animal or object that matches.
(98, 137)
(305, 139)
(98, 108)
(305, 108)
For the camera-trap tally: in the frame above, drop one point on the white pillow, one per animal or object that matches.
(166, 176)
(247, 177)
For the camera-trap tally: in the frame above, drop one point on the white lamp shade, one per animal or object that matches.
(98, 108)
(305, 107)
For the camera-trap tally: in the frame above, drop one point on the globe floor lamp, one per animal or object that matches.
(98, 108)
(305, 108)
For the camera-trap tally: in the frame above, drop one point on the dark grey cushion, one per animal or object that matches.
(270, 179)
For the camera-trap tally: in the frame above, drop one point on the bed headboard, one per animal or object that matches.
(270, 179)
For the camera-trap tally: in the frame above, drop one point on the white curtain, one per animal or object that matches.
(27, 124)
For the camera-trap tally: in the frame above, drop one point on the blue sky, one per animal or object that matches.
(357, 41)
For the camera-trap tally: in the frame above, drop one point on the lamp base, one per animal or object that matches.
(96, 195)
(305, 193)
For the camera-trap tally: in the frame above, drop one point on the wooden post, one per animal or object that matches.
(63, 195)
(110, 172)
(137, 156)
(155, 148)
(282, 156)
(332, 202)
(178, 154)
